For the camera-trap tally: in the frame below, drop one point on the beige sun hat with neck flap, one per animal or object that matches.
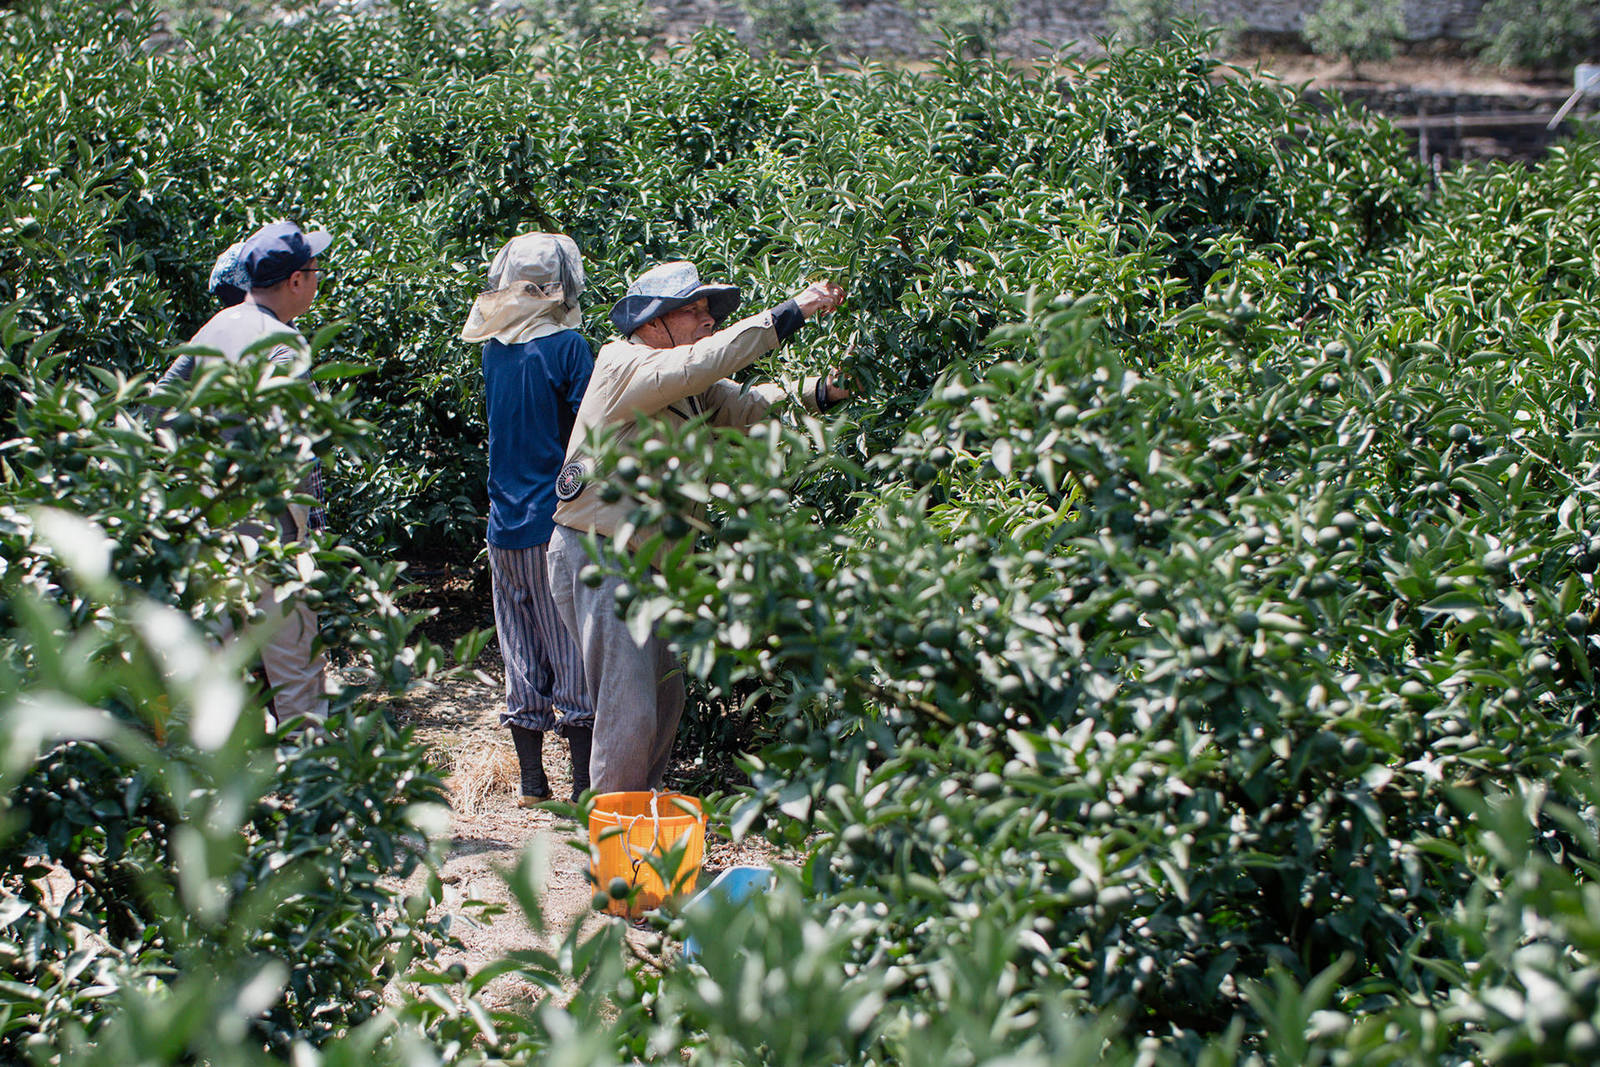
(534, 285)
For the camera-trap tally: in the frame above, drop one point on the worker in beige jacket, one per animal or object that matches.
(671, 362)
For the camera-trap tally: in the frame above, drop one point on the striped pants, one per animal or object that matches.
(544, 672)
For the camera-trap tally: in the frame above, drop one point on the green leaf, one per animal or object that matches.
(336, 371)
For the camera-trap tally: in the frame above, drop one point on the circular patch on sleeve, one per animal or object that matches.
(569, 483)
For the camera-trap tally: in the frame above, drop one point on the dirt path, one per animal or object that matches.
(458, 722)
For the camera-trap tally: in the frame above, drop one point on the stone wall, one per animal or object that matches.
(884, 26)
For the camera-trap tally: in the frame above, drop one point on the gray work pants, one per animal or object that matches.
(295, 670)
(637, 690)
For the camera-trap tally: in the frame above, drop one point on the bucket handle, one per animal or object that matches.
(635, 857)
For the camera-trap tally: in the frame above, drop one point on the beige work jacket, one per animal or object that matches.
(676, 385)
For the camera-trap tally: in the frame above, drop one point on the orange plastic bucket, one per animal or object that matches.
(628, 830)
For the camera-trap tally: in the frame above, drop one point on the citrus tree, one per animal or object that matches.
(1180, 651)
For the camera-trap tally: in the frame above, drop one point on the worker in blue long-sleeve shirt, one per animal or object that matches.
(536, 367)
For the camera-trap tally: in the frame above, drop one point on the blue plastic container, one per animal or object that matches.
(731, 886)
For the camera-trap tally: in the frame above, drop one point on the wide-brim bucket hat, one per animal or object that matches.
(534, 285)
(666, 288)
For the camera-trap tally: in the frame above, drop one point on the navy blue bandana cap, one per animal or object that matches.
(228, 278)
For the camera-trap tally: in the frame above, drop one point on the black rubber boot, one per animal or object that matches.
(530, 761)
(579, 739)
